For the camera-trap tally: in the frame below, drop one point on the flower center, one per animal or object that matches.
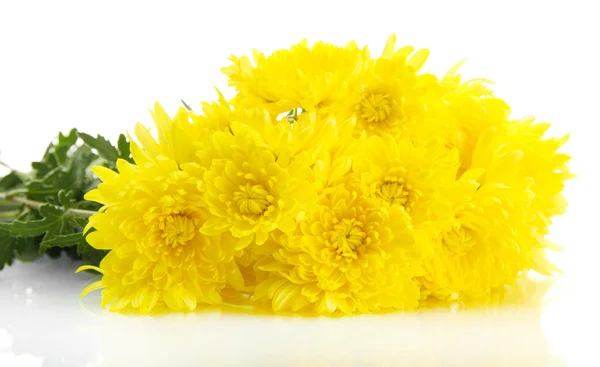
(178, 230)
(349, 235)
(252, 199)
(375, 108)
(395, 191)
(459, 240)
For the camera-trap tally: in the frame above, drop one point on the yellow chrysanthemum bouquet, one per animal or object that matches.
(334, 182)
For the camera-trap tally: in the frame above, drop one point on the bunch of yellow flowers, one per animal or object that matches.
(334, 182)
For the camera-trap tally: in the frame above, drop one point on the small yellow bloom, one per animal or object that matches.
(158, 258)
(391, 98)
(472, 109)
(176, 138)
(351, 254)
(250, 191)
(313, 78)
(479, 250)
(396, 172)
(544, 164)
(501, 212)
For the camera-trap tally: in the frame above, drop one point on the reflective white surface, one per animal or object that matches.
(99, 65)
(42, 323)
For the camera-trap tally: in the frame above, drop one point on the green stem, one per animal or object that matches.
(187, 107)
(36, 205)
(292, 116)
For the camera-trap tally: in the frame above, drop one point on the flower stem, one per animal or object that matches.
(36, 205)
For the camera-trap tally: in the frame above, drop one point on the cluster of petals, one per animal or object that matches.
(333, 182)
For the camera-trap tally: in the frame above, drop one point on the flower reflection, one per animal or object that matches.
(510, 335)
(57, 331)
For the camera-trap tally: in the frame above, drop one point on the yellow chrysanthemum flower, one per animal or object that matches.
(158, 258)
(540, 167)
(479, 249)
(502, 207)
(391, 98)
(313, 78)
(306, 139)
(179, 136)
(544, 165)
(472, 108)
(397, 172)
(250, 191)
(176, 138)
(151, 221)
(352, 254)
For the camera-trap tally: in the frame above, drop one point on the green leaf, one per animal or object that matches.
(28, 214)
(27, 249)
(65, 198)
(64, 144)
(52, 217)
(80, 222)
(68, 140)
(79, 165)
(89, 253)
(10, 181)
(49, 185)
(47, 164)
(58, 229)
(72, 175)
(7, 253)
(65, 240)
(124, 149)
(104, 148)
(40, 169)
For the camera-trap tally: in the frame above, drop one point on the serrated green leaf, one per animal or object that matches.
(124, 149)
(88, 205)
(79, 168)
(68, 140)
(10, 181)
(40, 169)
(65, 198)
(90, 254)
(53, 252)
(7, 253)
(104, 148)
(64, 144)
(52, 216)
(49, 185)
(80, 222)
(27, 249)
(64, 240)
(28, 214)
(47, 164)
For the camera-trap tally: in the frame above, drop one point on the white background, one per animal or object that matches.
(98, 66)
